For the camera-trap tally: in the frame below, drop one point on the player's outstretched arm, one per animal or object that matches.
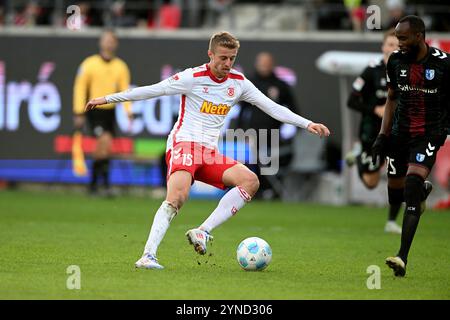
(92, 104)
(380, 145)
(319, 129)
(252, 95)
(178, 84)
(135, 94)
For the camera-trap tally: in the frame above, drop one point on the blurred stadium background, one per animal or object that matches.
(47, 223)
(39, 57)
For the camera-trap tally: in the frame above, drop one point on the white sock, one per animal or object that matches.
(228, 206)
(161, 222)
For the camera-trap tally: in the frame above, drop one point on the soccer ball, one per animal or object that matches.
(254, 254)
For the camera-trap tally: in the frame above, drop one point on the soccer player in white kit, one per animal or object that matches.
(207, 94)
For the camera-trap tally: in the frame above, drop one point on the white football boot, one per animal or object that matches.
(392, 227)
(397, 265)
(148, 261)
(199, 238)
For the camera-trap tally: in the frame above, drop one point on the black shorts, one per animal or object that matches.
(364, 161)
(100, 121)
(419, 151)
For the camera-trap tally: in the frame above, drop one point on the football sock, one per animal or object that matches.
(394, 209)
(228, 206)
(161, 222)
(105, 172)
(396, 198)
(409, 227)
(96, 171)
(414, 194)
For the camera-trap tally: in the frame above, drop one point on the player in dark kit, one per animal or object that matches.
(414, 125)
(369, 97)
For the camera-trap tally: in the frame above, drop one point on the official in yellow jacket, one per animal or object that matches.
(99, 75)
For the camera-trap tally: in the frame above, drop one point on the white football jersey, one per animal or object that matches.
(205, 102)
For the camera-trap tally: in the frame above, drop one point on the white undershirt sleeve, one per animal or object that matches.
(252, 95)
(177, 84)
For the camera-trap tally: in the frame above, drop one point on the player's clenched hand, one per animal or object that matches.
(92, 104)
(319, 129)
(379, 148)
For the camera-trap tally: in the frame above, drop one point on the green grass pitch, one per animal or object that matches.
(319, 252)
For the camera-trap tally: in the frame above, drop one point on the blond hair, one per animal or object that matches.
(223, 39)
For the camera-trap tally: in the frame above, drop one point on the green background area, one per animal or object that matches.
(319, 252)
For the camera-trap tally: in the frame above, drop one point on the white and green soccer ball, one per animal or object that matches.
(254, 254)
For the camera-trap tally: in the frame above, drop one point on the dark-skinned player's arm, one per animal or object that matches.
(380, 144)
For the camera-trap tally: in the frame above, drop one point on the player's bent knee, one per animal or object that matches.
(177, 198)
(250, 183)
(414, 193)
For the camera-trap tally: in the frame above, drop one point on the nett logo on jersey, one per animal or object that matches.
(210, 108)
